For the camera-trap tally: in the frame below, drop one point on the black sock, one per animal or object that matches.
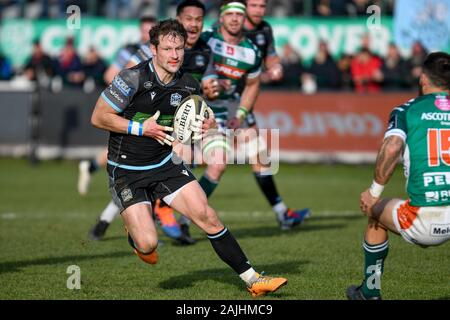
(229, 251)
(93, 166)
(267, 186)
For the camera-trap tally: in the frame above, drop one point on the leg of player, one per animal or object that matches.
(107, 216)
(141, 231)
(166, 218)
(376, 248)
(257, 148)
(87, 167)
(192, 202)
(215, 155)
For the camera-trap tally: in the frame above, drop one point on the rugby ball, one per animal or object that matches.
(190, 107)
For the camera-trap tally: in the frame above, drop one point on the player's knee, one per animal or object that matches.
(146, 244)
(205, 214)
(215, 171)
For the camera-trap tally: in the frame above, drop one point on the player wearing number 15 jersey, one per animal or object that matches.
(421, 130)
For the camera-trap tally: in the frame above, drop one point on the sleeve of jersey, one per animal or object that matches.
(210, 72)
(271, 44)
(256, 70)
(119, 93)
(397, 124)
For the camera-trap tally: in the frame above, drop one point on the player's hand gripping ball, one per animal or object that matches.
(189, 117)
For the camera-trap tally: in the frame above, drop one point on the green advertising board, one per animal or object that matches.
(107, 36)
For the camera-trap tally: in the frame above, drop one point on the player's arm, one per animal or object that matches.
(272, 62)
(387, 159)
(115, 99)
(274, 69)
(248, 99)
(106, 118)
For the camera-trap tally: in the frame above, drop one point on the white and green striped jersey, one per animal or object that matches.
(231, 62)
(424, 124)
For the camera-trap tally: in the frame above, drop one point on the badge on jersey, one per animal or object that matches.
(260, 39)
(148, 84)
(175, 99)
(200, 61)
(230, 50)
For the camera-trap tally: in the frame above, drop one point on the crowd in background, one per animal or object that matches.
(362, 72)
(132, 8)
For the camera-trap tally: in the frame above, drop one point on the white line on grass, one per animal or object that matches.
(222, 214)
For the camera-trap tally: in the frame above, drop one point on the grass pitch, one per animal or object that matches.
(44, 225)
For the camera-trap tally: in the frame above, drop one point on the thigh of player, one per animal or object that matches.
(129, 191)
(190, 200)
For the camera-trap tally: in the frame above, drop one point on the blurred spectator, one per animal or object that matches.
(357, 7)
(120, 9)
(58, 8)
(94, 67)
(414, 64)
(324, 69)
(292, 67)
(344, 66)
(394, 69)
(326, 8)
(69, 66)
(365, 44)
(39, 66)
(366, 72)
(6, 70)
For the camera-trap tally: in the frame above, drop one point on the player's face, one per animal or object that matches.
(170, 53)
(233, 22)
(145, 29)
(192, 20)
(256, 9)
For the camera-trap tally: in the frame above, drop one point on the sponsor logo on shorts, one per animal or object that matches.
(126, 195)
(440, 230)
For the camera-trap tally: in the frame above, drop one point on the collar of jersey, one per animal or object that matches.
(171, 83)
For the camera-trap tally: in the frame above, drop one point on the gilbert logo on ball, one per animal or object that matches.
(185, 114)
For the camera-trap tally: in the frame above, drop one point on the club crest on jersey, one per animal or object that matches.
(260, 40)
(442, 103)
(175, 99)
(200, 61)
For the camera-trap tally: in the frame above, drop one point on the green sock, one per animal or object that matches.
(374, 255)
(208, 185)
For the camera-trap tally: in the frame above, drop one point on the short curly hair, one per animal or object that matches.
(167, 27)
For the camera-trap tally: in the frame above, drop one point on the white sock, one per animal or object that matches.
(110, 212)
(249, 276)
(280, 209)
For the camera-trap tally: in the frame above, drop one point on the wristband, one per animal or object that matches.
(241, 113)
(135, 128)
(376, 189)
